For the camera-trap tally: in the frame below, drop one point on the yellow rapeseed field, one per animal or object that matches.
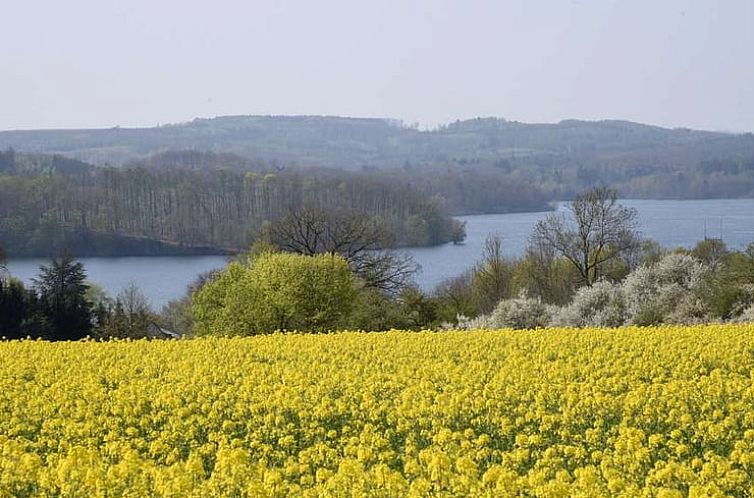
(632, 412)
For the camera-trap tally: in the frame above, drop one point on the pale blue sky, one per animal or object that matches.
(100, 63)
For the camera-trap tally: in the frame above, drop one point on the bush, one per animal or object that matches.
(601, 305)
(129, 316)
(747, 316)
(456, 297)
(491, 278)
(520, 313)
(668, 291)
(463, 322)
(418, 310)
(276, 292)
(17, 309)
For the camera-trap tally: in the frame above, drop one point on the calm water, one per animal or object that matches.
(672, 223)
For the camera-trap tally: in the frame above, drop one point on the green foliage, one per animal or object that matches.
(730, 288)
(62, 294)
(411, 309)
(417, 229)
(476, 165)
(551, 279)
(276, 292)
(457, 231)
(648, 316)
(456, 297)
(373, 309)
(650, 252)
(711, 252)
(491, 278)
(17, 309)
(418, 310)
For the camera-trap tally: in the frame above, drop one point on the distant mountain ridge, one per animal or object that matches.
(355, 143)
(550, 161)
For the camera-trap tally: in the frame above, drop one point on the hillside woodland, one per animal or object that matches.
(558, 159)
(52, 203)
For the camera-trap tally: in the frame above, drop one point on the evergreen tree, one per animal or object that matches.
(17, 306)
(62, 294)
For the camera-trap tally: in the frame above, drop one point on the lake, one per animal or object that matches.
(671, 223)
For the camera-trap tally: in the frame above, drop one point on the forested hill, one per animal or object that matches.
(355, 143)
(180, 203)
(558, 159)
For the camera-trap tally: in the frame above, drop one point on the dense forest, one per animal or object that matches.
(552, 160)
(51, 203)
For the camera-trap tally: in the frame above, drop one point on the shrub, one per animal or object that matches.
(747, 316)
(601, 305)
(520, 313)
(465, 323)
(456, 297)
(276, 292)
(668, 291)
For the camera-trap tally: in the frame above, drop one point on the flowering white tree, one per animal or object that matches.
(601, 305)
(667, 291)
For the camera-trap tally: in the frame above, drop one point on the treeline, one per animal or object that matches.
(278, 291)
(555, 160)
(457, 190)
(317, 271)
(706, 284)
(589, 267)
(48, 203)
(62, 305)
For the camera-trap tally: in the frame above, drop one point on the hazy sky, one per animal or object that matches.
(100, 63)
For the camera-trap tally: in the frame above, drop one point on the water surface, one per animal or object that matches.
(672, 223)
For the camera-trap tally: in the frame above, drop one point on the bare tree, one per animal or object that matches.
(129, 315)
(134, 302)
(364, 241)
(595, 231)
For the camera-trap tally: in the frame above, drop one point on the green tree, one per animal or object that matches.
(417, 309)
(491, 279)
(711, 251)
(62, 293)
(455, 297)
(729, 290)
(362, 240)
(542, 274)
(457, 231)
(280, 291)
(17, 307)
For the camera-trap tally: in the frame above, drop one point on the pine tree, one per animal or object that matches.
(16, 308)
(62, 288)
